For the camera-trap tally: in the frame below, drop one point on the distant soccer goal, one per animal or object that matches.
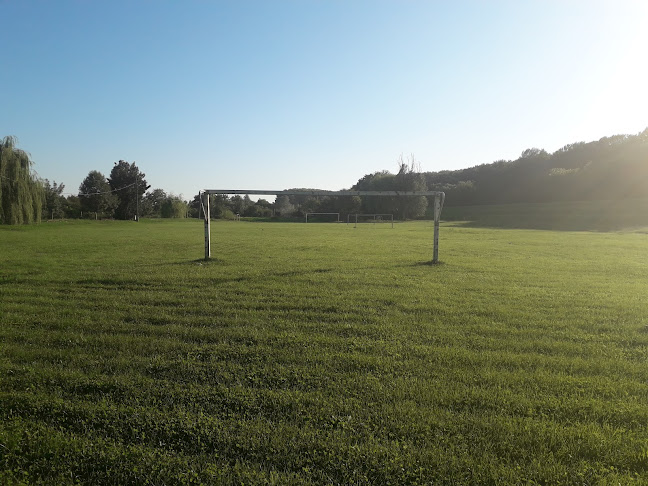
(337, 215)
(371, 218)
(439, 198)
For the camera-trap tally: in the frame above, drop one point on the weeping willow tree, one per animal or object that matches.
(21, 193)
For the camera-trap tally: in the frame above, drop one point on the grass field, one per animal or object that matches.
(321, 354)
(598, 215)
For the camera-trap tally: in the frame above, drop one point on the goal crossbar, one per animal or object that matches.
(319, 192)
(439, 198)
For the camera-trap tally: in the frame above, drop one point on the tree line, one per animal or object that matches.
(284, 207)
(610, 168)
(25, 198)
(613, 167)
(124, 194)
(408, 178)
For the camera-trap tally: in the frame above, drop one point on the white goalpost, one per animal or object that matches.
(330, 214)
(439, 198)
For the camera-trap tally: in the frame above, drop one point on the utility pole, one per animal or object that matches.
(136, 196)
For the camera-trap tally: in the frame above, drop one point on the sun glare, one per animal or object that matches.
(623, 102)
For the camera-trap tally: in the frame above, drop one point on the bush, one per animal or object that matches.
(173, 207)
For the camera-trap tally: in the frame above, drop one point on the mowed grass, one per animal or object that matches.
(321, 354)
(598, 215)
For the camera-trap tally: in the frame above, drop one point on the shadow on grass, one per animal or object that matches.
(525, 225)
(549, 226)
(264, 276)
(201, 261)
(598, 215)
(429, 263)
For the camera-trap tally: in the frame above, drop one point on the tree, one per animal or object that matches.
(195, 209)
(284, 206)
(258, 211)
(533, 152)
(152, 202)
(264, 203)
(53, 201)
(129, 185)
(219, 207)
(410, 178)
(173, 207)
(96, 196)
(72, 207)
(21, 193)
(239, 204)
(348, 205)
(311, 204)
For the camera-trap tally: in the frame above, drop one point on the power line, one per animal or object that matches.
(89, 193)
(99, 193)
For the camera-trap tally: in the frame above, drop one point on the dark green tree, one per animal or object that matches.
(312, 204)
(152, 202)
(53, 201)
(410, 179)
(195, 209)
(96, 196)
(239, 204)
(257, 210)
(21, 192)
(260, 209)
(72, 207)
(129, 185)
(264, 203)
(378, 181)
(220, 207)
(345, 205)
(173, 207)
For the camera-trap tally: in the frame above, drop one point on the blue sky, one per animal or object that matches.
(306, 93)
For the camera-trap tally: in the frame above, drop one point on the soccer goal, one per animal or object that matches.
(369, 218)
(337, 215)
(439, 198)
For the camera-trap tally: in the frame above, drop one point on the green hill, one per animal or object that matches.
(611, 168)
